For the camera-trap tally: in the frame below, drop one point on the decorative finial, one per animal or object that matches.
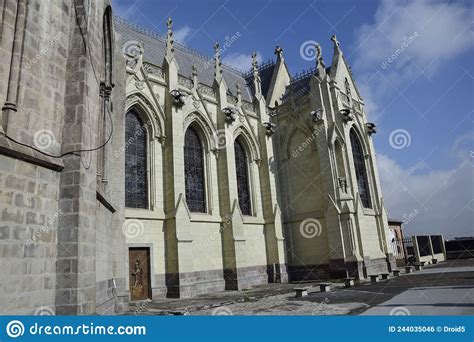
(217, 60)
(194, 72)
(239, 94)
(320, 65)
(254, 62)
(169, 40)
(279, 51)
(335, 41)
(319, 52)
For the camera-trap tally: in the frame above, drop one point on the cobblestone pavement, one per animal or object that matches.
(279, 299)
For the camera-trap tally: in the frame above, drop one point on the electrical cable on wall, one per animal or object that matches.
(75, 152)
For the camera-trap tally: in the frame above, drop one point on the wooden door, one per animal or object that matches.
(139, 273)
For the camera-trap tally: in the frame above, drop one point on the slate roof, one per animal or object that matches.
(154, 51)
(265, 71)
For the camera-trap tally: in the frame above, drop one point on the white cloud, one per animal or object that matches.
(240, 61)
(432, 201)
(405, 39)
(181, 34)
(440, 30)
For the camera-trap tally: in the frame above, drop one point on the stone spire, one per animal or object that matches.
(256, 75)
(195, 74)
(169, 41)
(239, 94)
(279, 52)
(320, 65)
(218, 63)
(336, 43)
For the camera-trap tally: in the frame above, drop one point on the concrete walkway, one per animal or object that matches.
(438, 300)
(434, 300)
(444, 289)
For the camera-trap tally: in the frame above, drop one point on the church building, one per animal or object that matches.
(134, 168)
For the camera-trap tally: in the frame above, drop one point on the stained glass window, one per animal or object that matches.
(361, 172)
(194, 172)
(136, 187)
(241, 168)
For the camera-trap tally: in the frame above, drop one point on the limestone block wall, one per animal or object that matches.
(51, 100)
(28, 235)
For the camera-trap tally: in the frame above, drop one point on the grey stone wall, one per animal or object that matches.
(60, 228)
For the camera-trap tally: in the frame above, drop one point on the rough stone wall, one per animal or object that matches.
(52, 208)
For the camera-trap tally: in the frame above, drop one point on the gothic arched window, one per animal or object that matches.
(194, 173)
(136, 184)
(360, 169)
(243, 188)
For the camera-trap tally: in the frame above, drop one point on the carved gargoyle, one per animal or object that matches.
(269, 128)
(229, 114)
(178, 97)
(370, 128)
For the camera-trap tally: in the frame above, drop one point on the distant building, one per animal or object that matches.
(395, 237)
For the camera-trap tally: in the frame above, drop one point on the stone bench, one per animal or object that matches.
(301, 291)
(396, 273)
(384, 276)
(418, 267)
(408, 269)
(434, 261)
(349, 282)
(374, 278)
(325, 287)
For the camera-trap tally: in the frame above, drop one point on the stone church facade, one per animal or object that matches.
(133, 168)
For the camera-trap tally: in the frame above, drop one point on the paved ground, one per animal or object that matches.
(447, 288)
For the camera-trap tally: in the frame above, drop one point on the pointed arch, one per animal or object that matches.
(150, 114)
(194, 170)
(205, 126)
(250, 140)
(243, 176)
(136, 161)
(310, 141)
(360, 168)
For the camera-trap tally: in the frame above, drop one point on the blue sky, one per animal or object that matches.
(412, 61)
